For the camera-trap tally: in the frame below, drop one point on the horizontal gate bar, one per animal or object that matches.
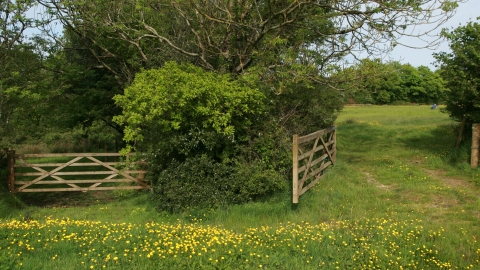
(80, 189)
(76, 181)
(69, 155)
(314, 135)
(66, 173)
(71, 165)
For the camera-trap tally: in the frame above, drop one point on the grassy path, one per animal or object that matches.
(409, 152)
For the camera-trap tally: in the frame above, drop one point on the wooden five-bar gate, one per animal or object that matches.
(71, 172)
(312, 154)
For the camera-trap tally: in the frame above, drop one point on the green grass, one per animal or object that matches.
(399, 197)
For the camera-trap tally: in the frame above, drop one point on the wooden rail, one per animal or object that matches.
(27, 175)
(311, 160)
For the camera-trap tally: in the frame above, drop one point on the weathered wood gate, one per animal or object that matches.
(311, 160)
(74, 172)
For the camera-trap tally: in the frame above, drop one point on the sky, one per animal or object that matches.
(466, 12)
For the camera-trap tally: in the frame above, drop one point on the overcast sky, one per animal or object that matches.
(423, 57)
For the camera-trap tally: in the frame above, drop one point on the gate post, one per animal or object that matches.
(11, 169)
(334, 148)
(295, 169)
(475, 141)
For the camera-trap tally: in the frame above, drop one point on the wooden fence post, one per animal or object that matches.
(334, 148)
(11, 169)
(295, 168)
(475, 141)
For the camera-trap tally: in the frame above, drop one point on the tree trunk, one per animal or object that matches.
(460, 134)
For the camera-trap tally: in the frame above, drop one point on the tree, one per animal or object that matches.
(284, 40)
(22, 77)
(434, 86)
(460, 69)
(288, 45)
(385, 83)
(85, 89)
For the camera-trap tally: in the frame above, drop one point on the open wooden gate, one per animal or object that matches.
(71, 172)
(311, 160)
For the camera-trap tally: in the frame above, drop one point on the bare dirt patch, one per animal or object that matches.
(444, 202)
(465, 190)
(446, 180)
(450, 181)
(372, 180)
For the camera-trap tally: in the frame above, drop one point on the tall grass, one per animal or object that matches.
(399, 197)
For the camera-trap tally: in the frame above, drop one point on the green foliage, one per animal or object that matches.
(226, 122)
(388, 83)
(22, 92)
(460, 69)
(47, 86)
(214, 132)
(23, 79)
(305, 108)
(383, 97)
(191, 110)
(281, 40)
(201, 182)
(85, 90)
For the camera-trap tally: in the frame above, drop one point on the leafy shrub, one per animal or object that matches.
(201, 182)
(256, 181)
(383, 97)
(212, 140)
(182, 110)
(304, 108)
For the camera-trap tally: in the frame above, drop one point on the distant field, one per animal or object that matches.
(399, 197)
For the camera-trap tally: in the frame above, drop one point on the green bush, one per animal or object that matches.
(201, 182)
(182, 110)
(303, 109)
(211, 140)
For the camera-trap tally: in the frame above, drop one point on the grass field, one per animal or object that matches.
(399, 197)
